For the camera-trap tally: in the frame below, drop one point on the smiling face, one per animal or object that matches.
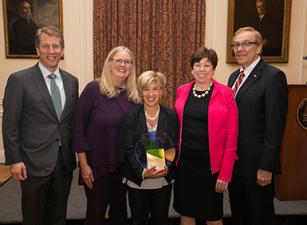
(245, 56)
(49, 51)
(203, 72)
(151, 94)
(121, 67)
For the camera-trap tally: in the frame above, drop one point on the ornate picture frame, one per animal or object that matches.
(270, 17)
(22, 18)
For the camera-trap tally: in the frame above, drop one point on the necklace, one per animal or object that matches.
(119, 89)
(152, 118)
(203, 94)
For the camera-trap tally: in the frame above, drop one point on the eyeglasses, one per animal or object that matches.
(126, 62)
(244, 44)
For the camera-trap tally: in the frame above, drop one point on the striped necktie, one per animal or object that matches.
(238, 82)
(55, 95)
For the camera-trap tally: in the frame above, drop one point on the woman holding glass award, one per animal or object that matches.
(97, 140)
(150, 137)
(208, 118)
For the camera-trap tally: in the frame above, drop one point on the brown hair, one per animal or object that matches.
(50, 31)
(204, 52)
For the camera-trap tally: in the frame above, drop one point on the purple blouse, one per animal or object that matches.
(97, 128)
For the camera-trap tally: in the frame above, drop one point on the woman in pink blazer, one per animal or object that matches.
(207, 145)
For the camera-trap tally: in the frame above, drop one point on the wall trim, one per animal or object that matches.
(2, 159)
(1, 107)
(302, 41)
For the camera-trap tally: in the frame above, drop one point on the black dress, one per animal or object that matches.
(194, 188)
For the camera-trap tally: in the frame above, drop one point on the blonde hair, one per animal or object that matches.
(259, 40)
(106, 82)
(148, 77)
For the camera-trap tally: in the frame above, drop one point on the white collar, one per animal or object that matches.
(250, 68)
(46, 72)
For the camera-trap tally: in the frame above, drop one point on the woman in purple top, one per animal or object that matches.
(97, 136)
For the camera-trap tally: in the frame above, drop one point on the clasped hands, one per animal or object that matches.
(155, 172)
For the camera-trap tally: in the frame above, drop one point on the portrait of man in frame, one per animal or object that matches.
(270, 17)
(22, 18)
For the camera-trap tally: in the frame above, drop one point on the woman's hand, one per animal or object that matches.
(86, 170)
(87, 175)
(221, 186)
(155, 172)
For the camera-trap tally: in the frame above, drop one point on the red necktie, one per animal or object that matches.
(238, 82)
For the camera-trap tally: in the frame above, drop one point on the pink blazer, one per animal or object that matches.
(222, 127)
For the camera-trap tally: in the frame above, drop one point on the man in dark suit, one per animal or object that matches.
(270, 28)
(262, 98)
(22, 31)
(37, 113)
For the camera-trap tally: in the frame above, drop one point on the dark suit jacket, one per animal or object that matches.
(133, 129)
(262, 103)
(22, 36)
(31, 129)
(271, 30)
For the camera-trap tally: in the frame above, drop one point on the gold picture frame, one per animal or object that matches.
(22, 18)
(275, 29)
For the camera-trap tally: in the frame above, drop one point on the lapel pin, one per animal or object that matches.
(255, 75)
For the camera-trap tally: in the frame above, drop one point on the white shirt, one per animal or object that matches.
(58, 81)
(247, 72)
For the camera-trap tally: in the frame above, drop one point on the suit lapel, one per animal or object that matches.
(233, 78)
(212, 103)
(162, 122)
(182, 99)
(215, 89)
(252, 78)
(142, 125)
(68, 93)
(41, 86)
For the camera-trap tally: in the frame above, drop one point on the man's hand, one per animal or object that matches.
(264, 177)
(18, 171)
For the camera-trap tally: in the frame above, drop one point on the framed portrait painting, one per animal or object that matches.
(22, 18)
(270, 17)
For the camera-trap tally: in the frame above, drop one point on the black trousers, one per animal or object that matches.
(44, 199)
(108, 189)
(154, 202)
(251, 203)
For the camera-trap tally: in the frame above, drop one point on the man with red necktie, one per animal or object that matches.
(262, 98)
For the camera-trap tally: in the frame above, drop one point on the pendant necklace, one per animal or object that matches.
(152, 118)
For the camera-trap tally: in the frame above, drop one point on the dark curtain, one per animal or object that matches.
(162, 34)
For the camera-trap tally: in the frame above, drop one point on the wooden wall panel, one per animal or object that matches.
(291, 184)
